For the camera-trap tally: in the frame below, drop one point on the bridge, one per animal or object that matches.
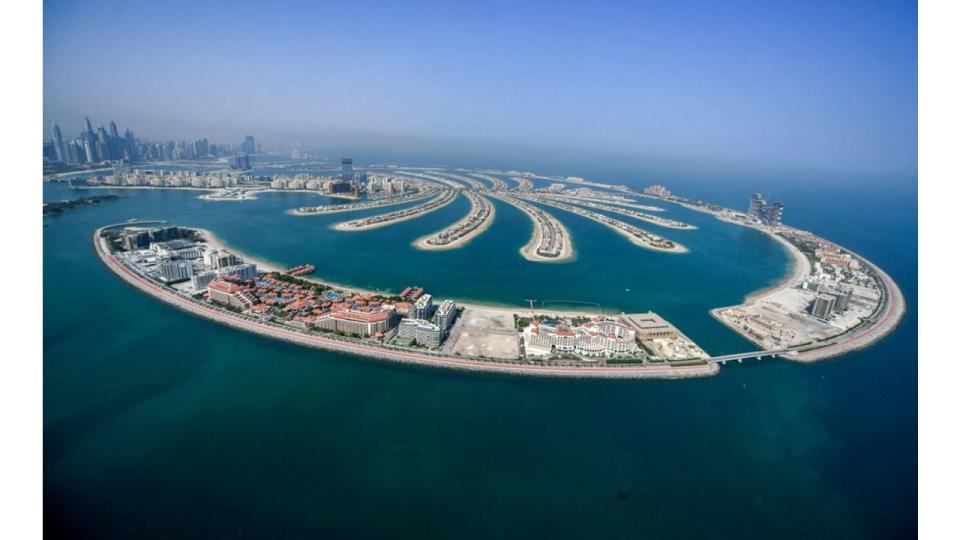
(756, 355)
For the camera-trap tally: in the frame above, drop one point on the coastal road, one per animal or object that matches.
(276, 331)
(886, 321)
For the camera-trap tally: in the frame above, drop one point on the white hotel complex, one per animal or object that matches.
(599, 337)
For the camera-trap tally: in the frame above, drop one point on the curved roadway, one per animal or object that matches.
(292, 335)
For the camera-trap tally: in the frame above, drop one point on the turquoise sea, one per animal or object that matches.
(158, 424)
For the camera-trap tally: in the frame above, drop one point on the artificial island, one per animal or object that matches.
(833, 301)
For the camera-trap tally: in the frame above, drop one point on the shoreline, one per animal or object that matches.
(891, 312)
(272, 266)
(884, 320)
(626, 212)
(529, 250)
(388, 353)
(676, 249)
(314, 191)
(799, 269)
(161, 188)
(343, 227)
(252, 188)
(421, 243)
(335, 208)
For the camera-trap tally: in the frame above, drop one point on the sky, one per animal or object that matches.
(797, 85)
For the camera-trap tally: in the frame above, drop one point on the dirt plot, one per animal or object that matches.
(482, 332)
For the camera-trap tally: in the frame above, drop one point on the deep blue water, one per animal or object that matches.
(158, 424)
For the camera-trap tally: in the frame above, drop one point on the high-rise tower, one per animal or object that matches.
(58, 144)
(774, 214)
(758, 207)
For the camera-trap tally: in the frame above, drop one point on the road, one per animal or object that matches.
(277, 331)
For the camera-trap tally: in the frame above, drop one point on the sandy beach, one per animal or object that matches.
(380, 203)
(529, 251)
(172, 188)
(631, 213)
(624, 204)
(799, 270)
(313, 191)
(344, 227)
(421, 243)
(876, 327)
(265, 265)
(382, 351)
(587, 214)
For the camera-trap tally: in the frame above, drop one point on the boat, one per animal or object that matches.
(301, 270)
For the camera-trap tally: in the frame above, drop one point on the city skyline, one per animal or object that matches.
(699, 83)
(91, 146)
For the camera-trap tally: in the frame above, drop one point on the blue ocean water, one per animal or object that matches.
(158, 424)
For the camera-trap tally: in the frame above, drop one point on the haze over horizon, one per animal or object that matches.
(812, 86)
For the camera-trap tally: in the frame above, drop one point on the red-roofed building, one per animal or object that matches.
(362, 322)
(229, 293)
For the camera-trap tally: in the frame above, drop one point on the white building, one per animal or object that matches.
(176, 270)
(422, 308)
(445, 315)
(242, 271)
(423, 332)
(201, 280)
(220, 258)
(599, 337)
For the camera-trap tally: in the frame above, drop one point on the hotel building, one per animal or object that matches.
(445, 316)
(599, 337)
(364, 322)
(423, 332)
(231, 294)
(422, 308)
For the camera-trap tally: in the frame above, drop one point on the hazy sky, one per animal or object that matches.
(808, 84)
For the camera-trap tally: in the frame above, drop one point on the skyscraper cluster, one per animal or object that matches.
(102, 144)
(768, 214)
(93, 146)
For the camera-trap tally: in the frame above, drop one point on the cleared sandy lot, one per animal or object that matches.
(484, 332)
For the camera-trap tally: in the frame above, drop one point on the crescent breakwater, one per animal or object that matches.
(785, 319)
(358, 347)
(783, 316)
(392, 218)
